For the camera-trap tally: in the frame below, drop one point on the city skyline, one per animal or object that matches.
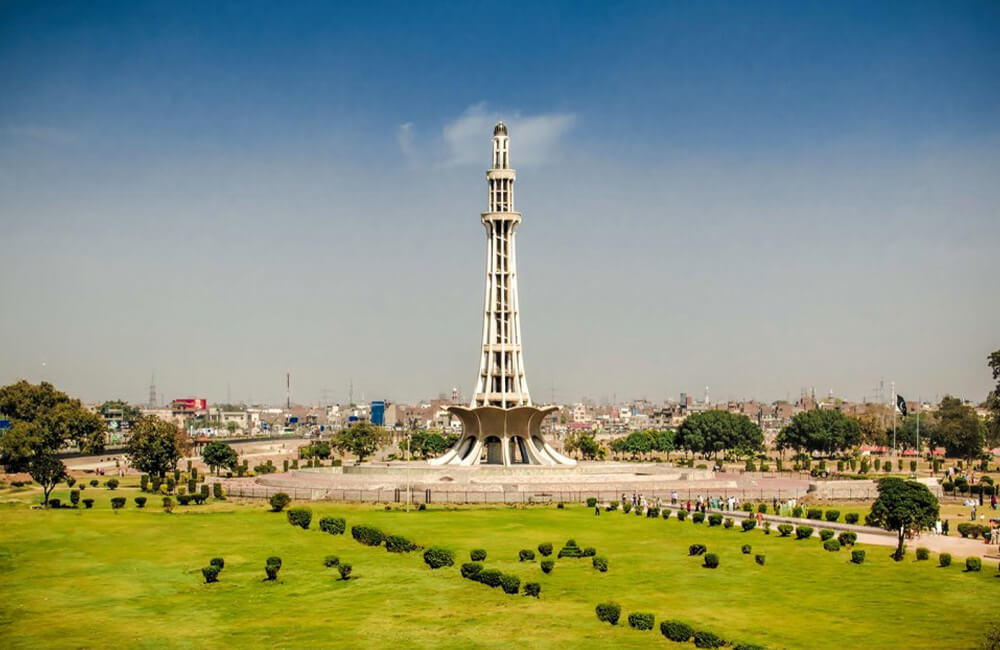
(795, 198)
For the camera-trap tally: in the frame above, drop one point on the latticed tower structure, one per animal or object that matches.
(501, 380)
(500, 426)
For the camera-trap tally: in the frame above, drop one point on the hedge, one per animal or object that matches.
(478, 555)
(532, 589)
(944, 559)
(489, 577)
(331, 561)
(676, 631)
(590, 551)
(831, 545)
(399, 544)
(698, 517)
(746, 549)
(973, 564)
(526, 555)
(600, 563)
(545, 548)
(591, 502)
(666, 513)
(218, 561)
(785, 529)
(88, 503)
(300, 517)
(825, 534)
(832, 515)
(714, 519)
(851, 518)
(703, 639)
(858, 556)
(510, 583)
(759, 559)
(711, 561)
(570, 549)
(345, 571)
(547, 566)
(333, 525)
(116, 503)
(609, 612)
(923, 553)
(140, 502)
(471, 569)
(682, 515)
(697, 549)
(641, 620)
(747, 646)
(367, 535)
(847, 538)
(748, 524)
(653, 513)
(803, 532)
(814, 513)
(211, 573)
(437, 557)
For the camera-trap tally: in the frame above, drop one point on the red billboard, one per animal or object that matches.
(190, 404)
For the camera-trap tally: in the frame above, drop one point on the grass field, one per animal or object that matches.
(93, 578)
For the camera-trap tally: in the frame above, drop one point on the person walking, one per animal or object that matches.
(937, 527)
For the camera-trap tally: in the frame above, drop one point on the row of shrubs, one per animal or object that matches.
(510, 583)
(673, 630)
(711, 560)
(272, 566)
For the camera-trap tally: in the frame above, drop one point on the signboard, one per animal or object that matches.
(293, 420)
(4, 424)
(190, 404)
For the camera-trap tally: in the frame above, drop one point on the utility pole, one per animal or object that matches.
(288, 389)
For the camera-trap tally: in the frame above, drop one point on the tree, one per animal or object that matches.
(872, 429)
(902, 506)
(638, 443)
(362, 440)
(710, 432)
(820, 430)
(993, 400)
(959, 429)
(44, 421)
(231, 427)
(155, 446)
(663, 441)
(588, 446)
(425, 444)
(218, 454)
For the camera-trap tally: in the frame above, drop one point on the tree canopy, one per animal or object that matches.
(959, 429)
(902, 506)
(218, 454)
(362, 440)
(44, 421)
(155, 445)
(820, 430)
(710, 432)
(425, 444)
(993, 400)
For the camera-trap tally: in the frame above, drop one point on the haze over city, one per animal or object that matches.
(784, 199)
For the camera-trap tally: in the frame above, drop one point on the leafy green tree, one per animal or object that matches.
(711, 432)
(959, 429)
(820, 430)
(218, 454)
(872, 429)
(993, 400)
(44, 421)
(902, 506)
(638, 443)
(426, 444)
(155, 445)
(588, 446)
(362, 440)
(663, 441)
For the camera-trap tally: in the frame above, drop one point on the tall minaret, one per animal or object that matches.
(501, 379)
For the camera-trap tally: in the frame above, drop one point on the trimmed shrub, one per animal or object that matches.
(510, 583)
(140, 502)
(762, 508)
(711, 561)
(814, 513)
(532, 589)
(847, 538)
(749, 646)
(797, 511)
(526, 555)
(570, 549)
(344, 570)
(211, 573)
(300, 517)
(183, 499)
(609, 612)
(399, 544)
(785, 529)
(489, 577)
(746, 549)
(747, 507)
(367, 535)
(331, 561)
(698, 517)
(832, 515)
(333, 525)
(112, 483)
(478, 554)
(676, 631)
(591, 502)
(858, 556)
(666, 513)
(748, 524)
(117, 503)
(703, 639)
(88, 503)
(973, 564)
(760, 558)
(547, 566)
(682, 515)
(831, 545)
(436, 557)
(641, 620)
(714, 519)
(204, 492)
(545, 548)
(94, 482)
(728, 523)
(275, 560)
(272, 571)
(470, 570)
(74, 498)
(627, 508)
(278, 500)
(851, 518)
(600, 563)
(217, 491)
(923, 554)
(56, 503)
(826, 534)
(653, 512)
(697, 549)
(803, 532)
(217, 562)
(590, 551)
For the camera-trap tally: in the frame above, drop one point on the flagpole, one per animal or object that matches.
(894, 419)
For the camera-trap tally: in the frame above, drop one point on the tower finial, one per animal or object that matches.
(500, 129)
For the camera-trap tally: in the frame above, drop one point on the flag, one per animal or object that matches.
(901, 404)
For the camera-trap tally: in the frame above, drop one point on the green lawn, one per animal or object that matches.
(93, 578)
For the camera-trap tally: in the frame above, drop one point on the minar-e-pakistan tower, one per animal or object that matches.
(501, 426)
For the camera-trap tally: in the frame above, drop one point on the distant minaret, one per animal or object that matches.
(501, 380)
(288, 390)
(152, 391)
(706, 396)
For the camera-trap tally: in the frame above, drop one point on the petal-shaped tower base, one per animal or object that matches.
(505, 437)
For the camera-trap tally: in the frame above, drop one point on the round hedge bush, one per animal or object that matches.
(785, 529)
(218, 561)
(511, 583)
(748, 524)
(436, 557)
(526, 555)
(851, 518)
(697, 549)
(711, 561)
(399, 544)
(847, 538)
(489, 577)
(831, 545)
(803, 532)
(944, 559)
(760, 558)
(367, 535)
(600, 563)
(641, 620)
(478, 554)
(746, 549)
(973, 564)
(714, 519)
(211, 573)
(858, 556)
(698, 517)
(545, 548)
(682, 515)
(532, 589)
(547, 566)
(300, 517)
(331, 561)
(333, 525)
(676, 631)
(704, 639)
(278, 501)
(825, 534)
(609, 612)
(471, 569)
(923, 553)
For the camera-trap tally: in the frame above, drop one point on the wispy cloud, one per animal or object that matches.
(53, 135)
(535, 139)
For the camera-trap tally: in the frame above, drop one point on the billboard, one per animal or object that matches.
(378, 413)
(189, 404)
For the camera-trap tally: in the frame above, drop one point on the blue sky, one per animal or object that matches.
(758, 197)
